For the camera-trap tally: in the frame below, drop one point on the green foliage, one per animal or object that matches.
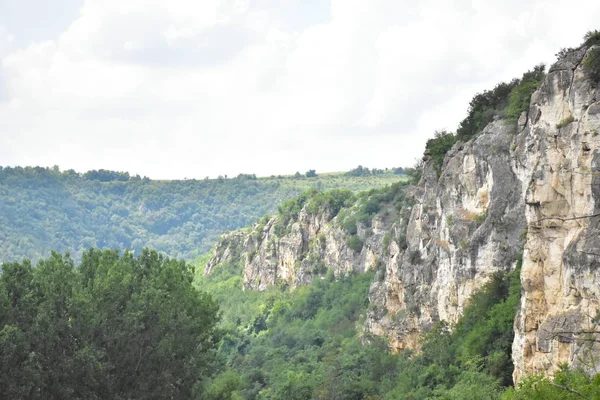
(591, 64)
(363, 171)
(506, 100)
(349, 225)
(311, 173)
(591, 38)
(520, 95)
(308, 347)
(354, 243)
(483, 108)
(331, 201)
(116, 327)
(414, 173)
(567, 385)
(349, 208)
(387, 239)
(103, 175)
(44, 209)
(480, 218)
(437, 148)
(472, 361)
(565, 121)
(485, 331)
(289, 210)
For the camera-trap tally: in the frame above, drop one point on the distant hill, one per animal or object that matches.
(44, 209)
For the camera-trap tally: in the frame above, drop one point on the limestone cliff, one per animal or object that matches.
(465, 226)
(298, 250)
(557, 161)
(529, 189)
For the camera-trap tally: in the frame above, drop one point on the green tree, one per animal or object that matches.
(119, 327)
(567, 385)
(437, 147)
(591, 64)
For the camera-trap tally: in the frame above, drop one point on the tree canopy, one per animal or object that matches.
(44, 209)
(118, 327)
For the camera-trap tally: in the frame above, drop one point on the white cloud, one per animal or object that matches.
(192, 88)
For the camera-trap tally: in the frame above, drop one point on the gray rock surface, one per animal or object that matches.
(530, 188)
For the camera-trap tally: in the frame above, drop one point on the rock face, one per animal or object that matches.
(308, 246)
(465, 226)
(557, 162)
(530, 188)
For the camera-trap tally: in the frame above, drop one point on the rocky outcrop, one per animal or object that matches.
(309, 245)
(557, 160)
(530, 188)
(466, 225)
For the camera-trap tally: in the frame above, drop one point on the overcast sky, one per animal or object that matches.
(190, 88)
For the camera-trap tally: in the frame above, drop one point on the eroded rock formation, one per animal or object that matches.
(531, 189)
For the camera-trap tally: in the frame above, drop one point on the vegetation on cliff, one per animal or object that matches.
(507, 101)
(309, 343)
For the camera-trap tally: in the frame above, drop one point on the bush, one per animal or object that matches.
(505, 100)
(349, 225)
(117, 327)
(355, 243)
(414, 173)
(566, 385)
(520, 95)
(387, 239)
(437, 148)
(332, 201)
(565, 121)
(591, 38)
(482, 109)
(591, 64)
(289, 210)
(480, 218)
(359, 171)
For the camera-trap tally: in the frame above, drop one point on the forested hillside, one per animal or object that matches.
(309, 343)
(43, 209)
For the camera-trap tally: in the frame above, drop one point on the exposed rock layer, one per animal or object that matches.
(533, 192)
(557, 162)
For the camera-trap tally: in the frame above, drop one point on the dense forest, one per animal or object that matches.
(309, 344)
(45, 209)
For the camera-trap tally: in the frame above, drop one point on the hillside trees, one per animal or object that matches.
(119, 327)
(44, 209)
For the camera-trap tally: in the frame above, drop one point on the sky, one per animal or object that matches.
(175, 89)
